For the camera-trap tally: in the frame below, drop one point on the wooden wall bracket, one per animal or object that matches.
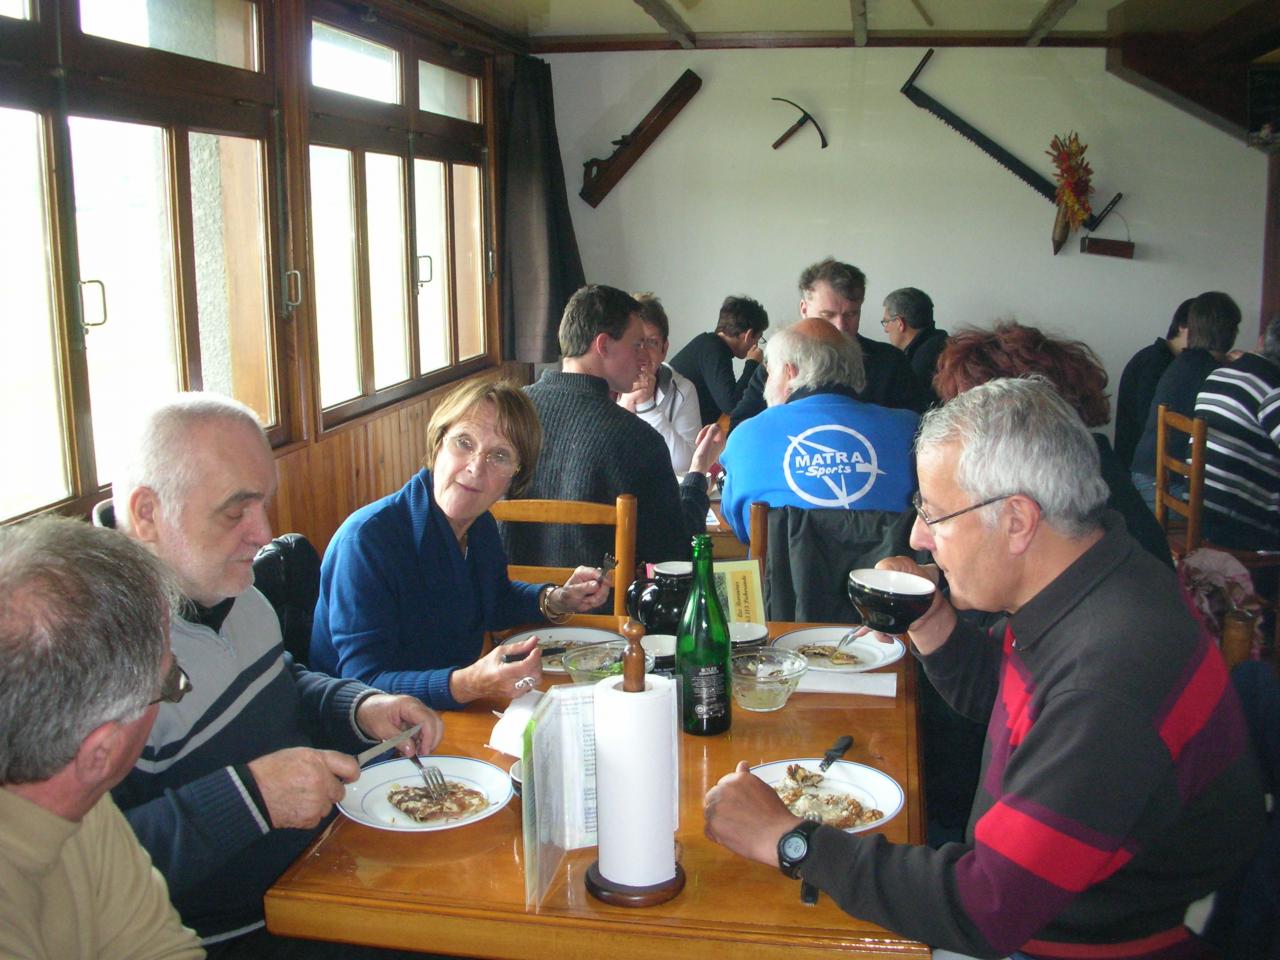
(601, 176)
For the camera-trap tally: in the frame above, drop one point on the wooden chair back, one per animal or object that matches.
(1184, 537)
(758, 530)
(621, 516)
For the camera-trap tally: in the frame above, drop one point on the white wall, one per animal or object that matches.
(711, 210)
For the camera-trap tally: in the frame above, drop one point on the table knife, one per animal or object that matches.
(364, 756)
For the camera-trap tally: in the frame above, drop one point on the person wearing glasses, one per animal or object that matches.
(662, 398)
(84, 661)
(1012, 349)
(833, 291)
(411, 582)
(1114, 739)
(908, 323)
(236, 778)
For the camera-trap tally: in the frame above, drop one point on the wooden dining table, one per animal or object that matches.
(461, 891)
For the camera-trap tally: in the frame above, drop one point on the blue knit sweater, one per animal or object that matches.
(401, 607)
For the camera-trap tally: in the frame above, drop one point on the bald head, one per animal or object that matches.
(812, 353)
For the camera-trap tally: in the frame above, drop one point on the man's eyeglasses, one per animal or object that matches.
(465, 448)
(932, 521)
(175, 685)
(885, 321)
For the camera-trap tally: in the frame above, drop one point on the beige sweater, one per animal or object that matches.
(82, 890)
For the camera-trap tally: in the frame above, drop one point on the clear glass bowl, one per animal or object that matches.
(763, 680)
(599, 660)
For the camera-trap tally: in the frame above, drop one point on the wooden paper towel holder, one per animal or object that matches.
(598, 885)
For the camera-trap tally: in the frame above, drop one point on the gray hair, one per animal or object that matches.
(913, 306)
(160, 459)
(83, 615)
(1271, 340)
(818, 360)
(1020, 436)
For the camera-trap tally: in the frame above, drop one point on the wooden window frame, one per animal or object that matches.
(111, 80)
(349, 122)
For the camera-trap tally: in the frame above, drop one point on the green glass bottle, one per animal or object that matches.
(702, 652)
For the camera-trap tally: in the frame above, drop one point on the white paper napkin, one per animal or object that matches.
(507, 734)
(871, 684)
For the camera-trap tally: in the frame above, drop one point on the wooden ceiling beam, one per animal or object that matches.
(670, 21)
(858, 11)
(1047, 19)
(1248, 33)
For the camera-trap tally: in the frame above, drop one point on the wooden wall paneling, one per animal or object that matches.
(323, 482)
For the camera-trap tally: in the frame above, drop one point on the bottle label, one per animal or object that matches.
(707, 691)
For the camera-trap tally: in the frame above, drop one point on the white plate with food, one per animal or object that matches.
(818, 646)
(567, 637)
(391, 795)
(850, 796)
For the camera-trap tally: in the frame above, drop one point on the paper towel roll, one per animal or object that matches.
(636, 781)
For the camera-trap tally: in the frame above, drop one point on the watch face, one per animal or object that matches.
(794, 847)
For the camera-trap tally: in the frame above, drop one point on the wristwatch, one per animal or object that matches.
(794, 846)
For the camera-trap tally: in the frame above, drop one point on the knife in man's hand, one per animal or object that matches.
(364, 756)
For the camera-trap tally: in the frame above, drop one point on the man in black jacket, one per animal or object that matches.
(908, 323)
(1138, 383)
(834, 291)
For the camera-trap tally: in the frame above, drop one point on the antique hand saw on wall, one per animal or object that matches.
(1035, 180)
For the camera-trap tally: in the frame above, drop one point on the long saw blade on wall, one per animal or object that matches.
(1032, 178)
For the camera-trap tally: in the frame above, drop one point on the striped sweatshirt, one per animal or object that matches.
(1117, 785)
(1241, 405)
(191, 799)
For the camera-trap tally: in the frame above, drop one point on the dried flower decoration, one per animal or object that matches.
(1073, 174)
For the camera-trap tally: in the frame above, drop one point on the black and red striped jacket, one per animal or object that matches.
(1117, 784)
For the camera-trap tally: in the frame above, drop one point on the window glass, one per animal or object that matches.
(468, 250)
(222, 31)
(333, 241)
(350, 64)
(15, 8)
(388, 293)
(454, 94)
(124, 228)
(31, 427)
(432, 264)
(228, 215)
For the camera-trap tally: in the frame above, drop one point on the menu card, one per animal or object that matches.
(558, 794)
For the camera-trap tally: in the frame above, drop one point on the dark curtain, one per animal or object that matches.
(541, 265)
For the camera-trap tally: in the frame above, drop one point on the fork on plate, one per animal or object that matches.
(432, 777)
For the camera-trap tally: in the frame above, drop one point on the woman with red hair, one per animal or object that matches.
(1010, 349)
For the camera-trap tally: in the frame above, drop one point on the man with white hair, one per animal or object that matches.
(817, 444)
(1117, 784)
(83, 663)
(235, 779)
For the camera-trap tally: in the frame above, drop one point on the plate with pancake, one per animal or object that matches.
(849, 796)
(391, 796)
(818, 646)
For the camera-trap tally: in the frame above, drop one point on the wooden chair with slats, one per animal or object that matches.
(621, 516)
(1184, 536)
(1187, 534)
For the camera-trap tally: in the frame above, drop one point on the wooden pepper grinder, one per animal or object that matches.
(633, 657)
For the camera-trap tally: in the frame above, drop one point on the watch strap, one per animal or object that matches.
(790, 866)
